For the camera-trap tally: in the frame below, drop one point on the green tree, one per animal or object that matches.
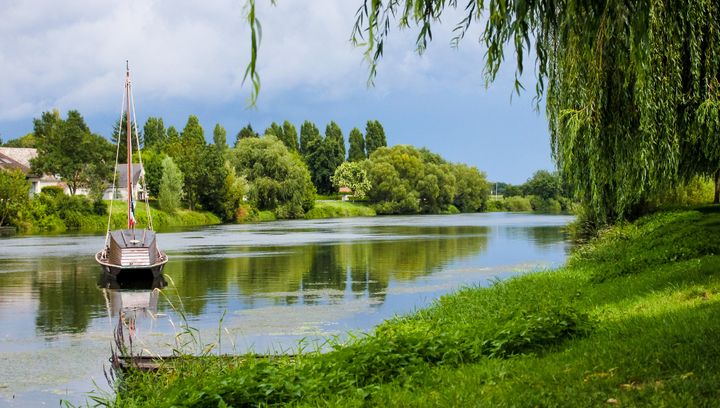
(153, 162)
(190, 160)
(278, 179)
(374, 136)
(211, 186)
(173, 145)
(330, 155)
(407, 180)
(275, 130)
(14, 190)
(154, 134)
(120, 133)
(472, 189)
(543, 184)
(245, 133)
(357, 146)
(310, 139)
(68, 148)
(171, 186)
(290, 136)
(220, 137)
(314, 154)
(27, 141)
(235, 189)
(353, 176)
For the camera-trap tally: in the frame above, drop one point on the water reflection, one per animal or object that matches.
(66, 298)
(274, 283)
(131, 298)
(362, 268)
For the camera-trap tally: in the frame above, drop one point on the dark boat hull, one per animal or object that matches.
(115, 270)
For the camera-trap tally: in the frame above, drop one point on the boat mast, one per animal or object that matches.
(129, 147)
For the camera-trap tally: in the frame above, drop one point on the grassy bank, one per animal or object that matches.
(631, 320)
(337, 209)
(72, 220)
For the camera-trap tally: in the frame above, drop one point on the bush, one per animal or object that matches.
(545, 206)
(495, 206)
(52, 191)
(517, 204)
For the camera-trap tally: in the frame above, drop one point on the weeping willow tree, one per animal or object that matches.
(631, 86)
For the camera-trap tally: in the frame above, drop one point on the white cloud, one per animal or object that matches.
(71, 54)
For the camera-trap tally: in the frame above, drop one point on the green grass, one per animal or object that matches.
(98, 223)
(631, 320)
(337, 209)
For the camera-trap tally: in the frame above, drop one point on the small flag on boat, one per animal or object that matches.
(132, 213)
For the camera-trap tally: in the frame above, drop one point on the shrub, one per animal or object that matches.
(545, 205)
(517, 204)
(52, 191)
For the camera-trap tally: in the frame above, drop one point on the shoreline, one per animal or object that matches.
(559, 337)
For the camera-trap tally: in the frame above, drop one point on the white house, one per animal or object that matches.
(19, 158)
(120, 192)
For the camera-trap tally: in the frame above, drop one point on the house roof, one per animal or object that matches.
(8, 163)
(20, 155)
(121, 170)
(345, 189)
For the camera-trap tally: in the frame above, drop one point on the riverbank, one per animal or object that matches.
(629, 320)
(339, 209)
(82, 220)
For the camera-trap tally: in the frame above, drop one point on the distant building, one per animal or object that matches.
(120, 192)
(15, 158)
(346, 192)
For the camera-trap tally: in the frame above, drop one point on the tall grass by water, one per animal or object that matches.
(630, 320)
(337, 209)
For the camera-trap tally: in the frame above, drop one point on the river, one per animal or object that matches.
(259, 287)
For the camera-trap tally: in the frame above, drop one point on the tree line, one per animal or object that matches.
(280, 171)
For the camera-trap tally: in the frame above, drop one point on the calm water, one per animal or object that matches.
(271, 284)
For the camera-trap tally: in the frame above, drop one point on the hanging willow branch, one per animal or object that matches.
(631, 85)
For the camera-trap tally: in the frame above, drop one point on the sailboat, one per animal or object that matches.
(131, 250)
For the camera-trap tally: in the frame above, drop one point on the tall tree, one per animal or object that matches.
(211, 191)
(290, 136)
(220, 137)
(154, 134)
(69, 149)
(374, 136)
(120, 133)
(173, 146)
(245, 133)
(333, 155)
(312, 150)
(192, 133)
(171, 186)
(190, 160)
(310, 138)
(275, 130)
(357, 146)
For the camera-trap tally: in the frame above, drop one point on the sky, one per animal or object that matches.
(188, 57)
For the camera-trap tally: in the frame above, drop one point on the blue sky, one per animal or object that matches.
(188, 57)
